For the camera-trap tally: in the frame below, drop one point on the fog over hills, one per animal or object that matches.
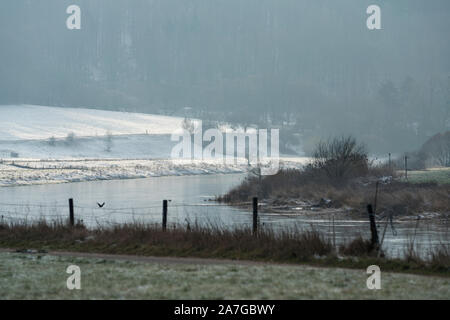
(311, 68)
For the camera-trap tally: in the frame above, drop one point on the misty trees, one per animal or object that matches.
(434, 152)
(403, 115)
(389, 95)
(437, 149)
(270, 63)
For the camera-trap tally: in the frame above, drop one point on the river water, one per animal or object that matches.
(189, 202)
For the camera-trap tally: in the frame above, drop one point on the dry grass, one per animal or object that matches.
(357, 248)
(341, 172)
(147, 239)
(441, 256)
(400, 198)
(286, 246)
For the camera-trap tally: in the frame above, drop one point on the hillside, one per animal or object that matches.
(52, 145)
(26, 122)
(41, 132)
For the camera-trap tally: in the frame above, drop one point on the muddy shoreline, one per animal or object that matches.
(296, 208)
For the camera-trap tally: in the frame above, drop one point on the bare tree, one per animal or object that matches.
(108, 141)
(341, 158)
(188, 125)
(70, 139)
(52, 141)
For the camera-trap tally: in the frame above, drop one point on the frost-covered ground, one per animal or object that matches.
(32, 172)
(27, 122)
(29, 172)
(41, 145)
(115, 147)
(62, 133)
(44, 277)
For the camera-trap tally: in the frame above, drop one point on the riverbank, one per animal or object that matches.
(23, 172)
(43, 276)
(291, 246)
(38, 172)
(291, 207)
(300, 192)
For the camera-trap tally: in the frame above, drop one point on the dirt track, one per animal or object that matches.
(156, 260)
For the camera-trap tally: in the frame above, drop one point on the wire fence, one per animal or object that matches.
(179, 213)
(395, 235)
(93, 215)
(11, 211)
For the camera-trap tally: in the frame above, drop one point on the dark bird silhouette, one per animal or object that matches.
(101, 205)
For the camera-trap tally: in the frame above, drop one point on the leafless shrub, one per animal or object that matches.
(70, 139)
(357, 247)
(382, 170)
(340, 159)
(440, 256)
(411, 253)
(401, 198)
(52, 141)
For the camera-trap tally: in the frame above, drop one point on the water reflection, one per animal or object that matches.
(141, 200)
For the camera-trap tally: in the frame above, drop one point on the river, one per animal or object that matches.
(189, 202)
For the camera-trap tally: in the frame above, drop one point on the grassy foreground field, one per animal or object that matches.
(294, 245)
(438, 175)
(44, 277)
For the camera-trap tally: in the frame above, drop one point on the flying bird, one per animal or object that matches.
(101, 205)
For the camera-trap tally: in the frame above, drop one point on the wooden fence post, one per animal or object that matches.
(334, 235)
(376, 197)
(406, 167)
(255, 215)
(389, 161)
(373, 226)
(164, 215)
(71, 213)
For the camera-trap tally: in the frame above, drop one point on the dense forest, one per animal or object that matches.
(310, 67)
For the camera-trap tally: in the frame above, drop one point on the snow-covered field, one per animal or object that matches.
(39, 132)
(41, 145)
(31, 172)
(25, 122)
(153, 146)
